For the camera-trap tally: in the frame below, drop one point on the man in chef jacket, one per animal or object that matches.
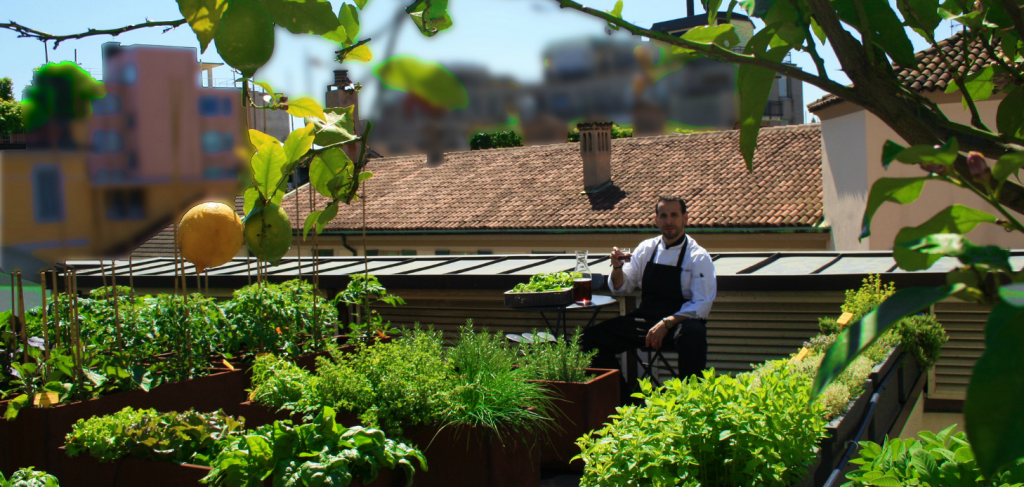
(676, 278)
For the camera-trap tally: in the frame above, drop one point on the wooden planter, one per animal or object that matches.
(86, 471)
(580, 407)
(474, 456)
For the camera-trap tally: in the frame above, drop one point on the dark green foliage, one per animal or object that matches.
(555, 281)
(278, 383)
(278, 318)
(941, 459)
(558, 360)
(318, 453)
(617, 133)
(187, 437)
(495, 140)
(922, 336)
(10, 110)
(754, 429)
(363, 291)
(27, 477)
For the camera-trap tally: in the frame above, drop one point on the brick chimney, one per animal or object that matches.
(342, 94)
(596, 149)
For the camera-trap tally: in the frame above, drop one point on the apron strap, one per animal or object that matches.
(682, 251)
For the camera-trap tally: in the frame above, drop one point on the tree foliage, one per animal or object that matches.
(495, 140)
(10, 110)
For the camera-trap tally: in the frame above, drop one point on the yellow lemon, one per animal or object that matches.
(268, 233)
(210, 234)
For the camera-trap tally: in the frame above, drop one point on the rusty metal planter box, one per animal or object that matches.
(472, 456)
(552, 298)
(579, 407)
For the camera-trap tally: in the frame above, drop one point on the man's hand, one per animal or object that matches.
(617, 256)
(656, 335)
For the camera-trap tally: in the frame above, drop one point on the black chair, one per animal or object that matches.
(655, 361)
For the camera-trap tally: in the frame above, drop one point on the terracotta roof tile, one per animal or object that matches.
(539, 187)
(931, 73)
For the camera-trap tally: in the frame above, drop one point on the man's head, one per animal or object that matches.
(670, 217)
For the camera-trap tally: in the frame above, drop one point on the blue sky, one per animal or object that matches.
(506, 36)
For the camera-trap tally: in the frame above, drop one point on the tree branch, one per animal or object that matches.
(717, 52)
(24, 31)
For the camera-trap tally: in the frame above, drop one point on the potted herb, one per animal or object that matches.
(584, 398)
(549, 289)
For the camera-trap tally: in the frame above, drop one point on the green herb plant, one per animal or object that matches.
(363, 291)
(941, 459)
(28, 477)
(279, 384)
(187, 437)
(318, 453)
(287, 318)
(557, 360)
(754, 429)
(556, 281)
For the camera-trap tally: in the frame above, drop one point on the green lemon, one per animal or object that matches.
(268, 232)
(245, 36)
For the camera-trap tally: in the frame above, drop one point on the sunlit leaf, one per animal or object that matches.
(755, 84)
(861, 334)
(298, 143)
(266, 169)
(302, 16)
(1007, 166)
(358, 53)
(338, 127)
(245, 37)
(305, 107)
(617, 13)
(958, 219)
(428, 80)
(327, 167)
(927, 155)
(326, 216)
(203, 17)
(886, 28)
(955, 245)
(259, 138)
(896, 190)
(311, 220)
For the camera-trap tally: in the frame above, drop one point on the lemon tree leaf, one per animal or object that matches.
(311, 220)
(203, 17)
(429, 81)
(252, 199)
(327, 169)
(955, 245)
(1010, 115)
(337, 126)
(348, 17)
(957, 219)
(302, 16)
(326, 216)
(361, 3)
(363, 176)
(266, 169)
(259, 138)
(358, 53)
(245, 37)
(755, 84)
(1008, 165)
(896, 190)
(617, 13)
(305, 107)
(298, 143)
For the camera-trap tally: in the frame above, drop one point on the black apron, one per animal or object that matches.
(661, 291)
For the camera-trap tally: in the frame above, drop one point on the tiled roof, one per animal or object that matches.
(539, 187)
(162, 244)
(931, 73)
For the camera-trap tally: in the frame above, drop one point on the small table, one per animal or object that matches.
(595, 304)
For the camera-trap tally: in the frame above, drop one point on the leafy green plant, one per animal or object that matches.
(391, 386)
(278, 383)
(28, 477)
(287, 318)
(318, 453)
(941, 459)
(486, 390)
(187, 437)
(556, 281)
(754, 429)
(557, 360)
(363, 291)
(922, 336)
(617, 133)
(866, 298)
(495, 140)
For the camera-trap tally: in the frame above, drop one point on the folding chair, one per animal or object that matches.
(655, 361)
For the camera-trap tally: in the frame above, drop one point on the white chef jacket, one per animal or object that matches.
(697, 276)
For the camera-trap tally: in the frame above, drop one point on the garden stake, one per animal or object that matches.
(117, 314)
(103, 271)
(77, 336)
(46, 334)
(206, 273)
(175, 226)
(56, 310)
(248, 270)
(21, 319)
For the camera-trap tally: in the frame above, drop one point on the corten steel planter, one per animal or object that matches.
(85, 471)
(579, 407)
(473, 456)
(840, 432)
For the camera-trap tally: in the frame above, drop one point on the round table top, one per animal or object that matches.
(598, 301)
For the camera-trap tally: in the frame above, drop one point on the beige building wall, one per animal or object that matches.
(596, 243)
(853, 140)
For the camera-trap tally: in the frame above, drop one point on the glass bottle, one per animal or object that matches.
(581, 288)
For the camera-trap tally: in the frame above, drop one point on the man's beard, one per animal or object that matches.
(673, 237)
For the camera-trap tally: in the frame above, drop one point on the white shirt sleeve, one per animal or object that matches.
(703, 288)
(632, 272)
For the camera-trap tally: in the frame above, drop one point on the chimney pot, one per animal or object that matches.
(596, 150)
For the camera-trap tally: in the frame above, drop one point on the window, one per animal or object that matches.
(133, 161)
(107, 142)
(125, 205)
(408, 252)
(225, 106)
(442, 252)
(325, 252)
(47, 193)
(108, 105)
(784, 87)
(209, 106)
(213, 142)
(129, 74)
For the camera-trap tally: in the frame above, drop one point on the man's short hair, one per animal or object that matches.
(669, 198)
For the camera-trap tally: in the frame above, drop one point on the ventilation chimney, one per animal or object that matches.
(344, 93)
(596, 149)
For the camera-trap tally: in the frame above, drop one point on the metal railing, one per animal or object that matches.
(773, 109)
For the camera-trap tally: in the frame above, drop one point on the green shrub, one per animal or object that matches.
(922, 336)
(278, 383)
(27, 477)
(617, 133)
(828, 325)
(871, 294)
(318, 453)
(485, 390)
(278, 318)
(937, 460)
(559, 360)
(754, 429)
(391, 385)
(187, 437)
(495, 140)
(363, 291)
